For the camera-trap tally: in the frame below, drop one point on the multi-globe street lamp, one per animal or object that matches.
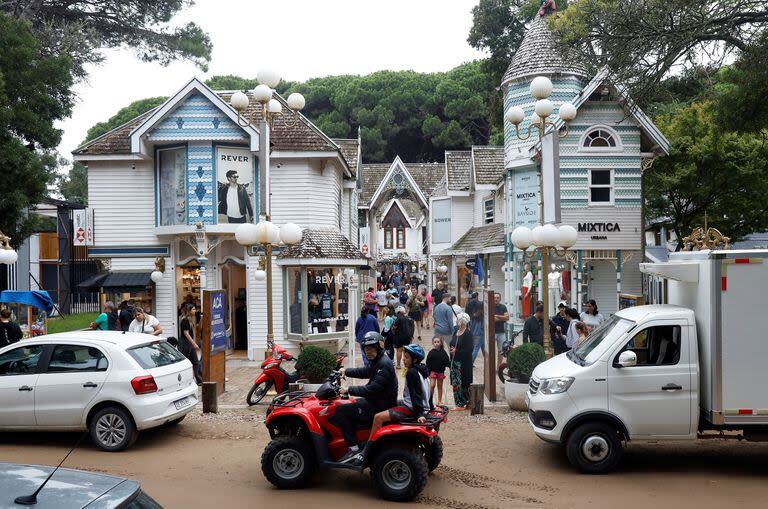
(546, 238)
(266, 233)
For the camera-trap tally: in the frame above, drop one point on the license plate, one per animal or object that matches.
(184, 402)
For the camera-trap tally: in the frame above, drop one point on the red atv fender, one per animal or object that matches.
(411, 431)
(292, 413)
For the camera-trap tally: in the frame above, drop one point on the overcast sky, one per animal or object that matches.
(300, 39)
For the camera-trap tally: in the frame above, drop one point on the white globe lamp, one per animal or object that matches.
(534, 118)
(296, 101)
(443, 268)
(274, 106)
(515, 115)
(522, 237)
(567, 112)
(290, 233)
(541, 87)
(568, 236)
(262, 93)
(544, 108)
(5, 256)
(12, 257)
(261, 232)
(550, 235)
(273, 234)
(268, 77)
(538, 236)
(239, 101)
(156, 276)
(246, 234)
(260, 275)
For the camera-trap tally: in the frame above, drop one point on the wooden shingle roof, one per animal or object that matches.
(488, 163)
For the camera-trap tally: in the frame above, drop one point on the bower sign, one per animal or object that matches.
(214, 337)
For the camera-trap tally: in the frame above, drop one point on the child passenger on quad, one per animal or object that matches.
(415, 402)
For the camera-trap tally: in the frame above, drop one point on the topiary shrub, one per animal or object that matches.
(522, 360)
(315, 364)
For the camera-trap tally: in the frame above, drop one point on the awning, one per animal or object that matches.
(119, 281)
(486, 239)
(93, 282)
(687, 272)
(37, 298)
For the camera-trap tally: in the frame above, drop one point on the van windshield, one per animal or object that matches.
(600, 340)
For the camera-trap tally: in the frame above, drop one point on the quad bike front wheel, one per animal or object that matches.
(433, 455)
(257, 393)
(288, 462)
(400, 474)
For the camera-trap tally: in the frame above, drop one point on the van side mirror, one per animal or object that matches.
(627, 359)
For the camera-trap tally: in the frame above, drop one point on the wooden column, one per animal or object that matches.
(489, 359)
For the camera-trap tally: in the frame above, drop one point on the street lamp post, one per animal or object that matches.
(546, 238)
(8, 255)
(265, 232)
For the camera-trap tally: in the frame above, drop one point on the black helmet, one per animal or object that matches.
(372, 338)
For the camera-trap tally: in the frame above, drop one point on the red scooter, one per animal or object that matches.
(274, 375)
(400, 455)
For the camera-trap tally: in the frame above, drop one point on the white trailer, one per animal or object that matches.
(664, 372)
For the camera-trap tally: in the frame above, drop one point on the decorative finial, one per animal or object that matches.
(711, 239)
(547, 7)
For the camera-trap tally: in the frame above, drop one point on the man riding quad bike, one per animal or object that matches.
(320, 430)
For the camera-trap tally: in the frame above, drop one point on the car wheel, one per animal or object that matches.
(288, 462)
(400, 474)
(594, 448)
(434, 453)
(257, 393)
(112, 429)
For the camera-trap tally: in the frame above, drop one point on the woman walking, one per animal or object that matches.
(461, 363)
(591, 317)
(187, 344)
(415, 302)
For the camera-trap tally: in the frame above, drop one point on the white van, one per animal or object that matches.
(664, 372)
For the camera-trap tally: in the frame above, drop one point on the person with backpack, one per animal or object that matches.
(125, 314)
(402, 333)
(10, 332)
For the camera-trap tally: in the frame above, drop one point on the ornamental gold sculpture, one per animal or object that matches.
(711, 239)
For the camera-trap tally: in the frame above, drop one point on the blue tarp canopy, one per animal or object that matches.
(39, 299)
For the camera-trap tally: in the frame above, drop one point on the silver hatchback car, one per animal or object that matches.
(70, 489)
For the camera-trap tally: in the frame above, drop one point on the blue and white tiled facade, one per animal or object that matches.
(201, 190)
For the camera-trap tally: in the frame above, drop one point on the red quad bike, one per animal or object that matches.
(274, 375)
(400, 455)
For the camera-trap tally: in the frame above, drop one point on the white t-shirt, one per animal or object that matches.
(147, 326)
(591, 321)
(381, 298)
(233, 203)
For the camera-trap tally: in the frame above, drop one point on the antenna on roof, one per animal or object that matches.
(32, 499)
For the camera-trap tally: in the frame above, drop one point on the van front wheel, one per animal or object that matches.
(594, 448)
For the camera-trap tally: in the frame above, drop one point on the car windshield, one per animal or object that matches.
(155, 355)
(600, 340)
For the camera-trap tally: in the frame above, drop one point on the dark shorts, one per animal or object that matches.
(399, 413)
(399, 342)
(415, 315)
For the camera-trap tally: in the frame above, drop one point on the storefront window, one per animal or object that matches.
(294, 300)
(328, 300)
(171, 187)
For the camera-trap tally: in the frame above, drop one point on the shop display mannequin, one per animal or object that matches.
(526, 291)
(554, 281)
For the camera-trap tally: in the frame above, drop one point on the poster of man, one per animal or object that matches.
(234, 173)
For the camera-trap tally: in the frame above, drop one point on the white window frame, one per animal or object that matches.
(616, 138)
(489, 214)
(610, 186)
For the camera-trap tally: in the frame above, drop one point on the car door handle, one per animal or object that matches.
(90, 385)
(672, 387)
(25, 388)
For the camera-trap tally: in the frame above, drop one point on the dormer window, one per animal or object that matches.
(600, 138)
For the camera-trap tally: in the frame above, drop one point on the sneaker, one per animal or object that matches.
(352, 456)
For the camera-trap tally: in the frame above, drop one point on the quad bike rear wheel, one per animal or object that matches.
(400, 474)
(288, 462)
(257, 393)
(434, 453)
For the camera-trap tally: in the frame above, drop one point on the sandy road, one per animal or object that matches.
(491, 461)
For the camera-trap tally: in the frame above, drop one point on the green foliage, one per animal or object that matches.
(35, 91)
(74, 185)
(70, 323)
(522, 360)
(125, 114)
(315, 363)
(79, 29)
(709, 169)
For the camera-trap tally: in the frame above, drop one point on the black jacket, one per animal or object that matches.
(242, 198)
(438, 360)
(381, 389)
(10, 332)
(414, 381)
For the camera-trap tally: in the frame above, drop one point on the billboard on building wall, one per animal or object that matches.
(550, 169)
(235, 169)
(441, 221)
(79, 227)
(525, 195)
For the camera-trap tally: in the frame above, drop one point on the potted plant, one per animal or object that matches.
(315, 364)
(521, 362)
